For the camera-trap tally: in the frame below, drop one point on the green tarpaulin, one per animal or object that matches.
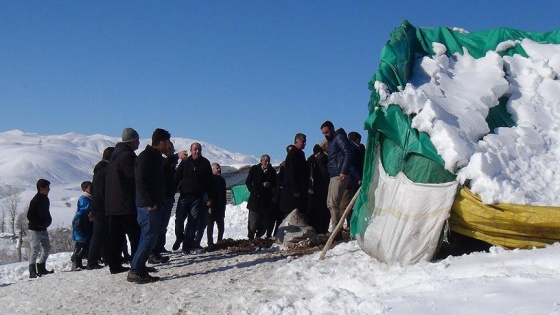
(404, 149)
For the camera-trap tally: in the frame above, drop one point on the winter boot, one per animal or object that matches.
(41, 270)
(77, 265)
(33, 271)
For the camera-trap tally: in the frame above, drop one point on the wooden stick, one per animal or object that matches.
(339, 225)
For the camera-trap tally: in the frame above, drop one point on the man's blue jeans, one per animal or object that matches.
(149, 221)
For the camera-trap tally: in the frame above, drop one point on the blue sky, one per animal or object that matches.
(243, 75)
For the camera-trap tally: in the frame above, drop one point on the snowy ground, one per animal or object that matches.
(518, 165)
(347, 281)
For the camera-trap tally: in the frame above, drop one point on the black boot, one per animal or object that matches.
(77, 265)
(41, 270)
(33, 271)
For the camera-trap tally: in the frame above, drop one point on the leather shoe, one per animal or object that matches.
(118, 269)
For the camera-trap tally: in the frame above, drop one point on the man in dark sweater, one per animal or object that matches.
(169, 167)
(194, 179)
(40, 219)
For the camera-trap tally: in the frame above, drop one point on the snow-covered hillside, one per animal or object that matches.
(67, 160)
(70, 158)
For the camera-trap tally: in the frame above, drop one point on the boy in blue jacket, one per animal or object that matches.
(81, 227)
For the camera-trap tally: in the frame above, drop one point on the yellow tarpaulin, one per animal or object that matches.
(507, 225)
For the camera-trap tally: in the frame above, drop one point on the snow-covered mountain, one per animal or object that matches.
(67, 160)
(70, 158)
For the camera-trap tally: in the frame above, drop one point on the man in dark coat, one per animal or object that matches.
(150, 197)
(194, 178)
(356, 170)
(276, 218)
(98, 245)
(217, 212)
(319, 215)
(261, 182)
(295, 183)
(339, 160)
(120, 194)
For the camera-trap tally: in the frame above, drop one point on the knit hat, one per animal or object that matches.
(129, 135)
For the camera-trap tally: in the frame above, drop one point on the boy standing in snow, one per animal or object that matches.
(40, 219)
(81, 227)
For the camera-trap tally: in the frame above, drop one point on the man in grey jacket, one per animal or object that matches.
(339, 159)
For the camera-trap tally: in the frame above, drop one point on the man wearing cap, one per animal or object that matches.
(120, 193)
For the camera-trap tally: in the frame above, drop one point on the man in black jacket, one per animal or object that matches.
(194, 179)
(120, 193)
(150, 197)
(169, 167)
(339, 159)
(98, 245)
(40, 219)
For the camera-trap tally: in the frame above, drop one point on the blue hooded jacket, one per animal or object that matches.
(81, 231)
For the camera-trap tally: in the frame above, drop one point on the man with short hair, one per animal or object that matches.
(40, 219)
(98, 246)
(194, 179)
(169, 167)
(339, 159)
(150, 197)
(261, 182)
(296, 179)
(120, 195)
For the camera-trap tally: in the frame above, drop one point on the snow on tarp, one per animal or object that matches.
(480, 108)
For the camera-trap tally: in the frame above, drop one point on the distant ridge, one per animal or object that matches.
(70, 158)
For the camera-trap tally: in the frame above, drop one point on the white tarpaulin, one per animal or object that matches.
(407, 218)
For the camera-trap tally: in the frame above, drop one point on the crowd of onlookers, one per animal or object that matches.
(131, 197)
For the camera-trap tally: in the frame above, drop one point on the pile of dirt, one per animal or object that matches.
(304, 247)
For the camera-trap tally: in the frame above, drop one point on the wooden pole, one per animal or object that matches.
(339, 225)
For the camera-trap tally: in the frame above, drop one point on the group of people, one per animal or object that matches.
(319, 187)
(133, 196)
